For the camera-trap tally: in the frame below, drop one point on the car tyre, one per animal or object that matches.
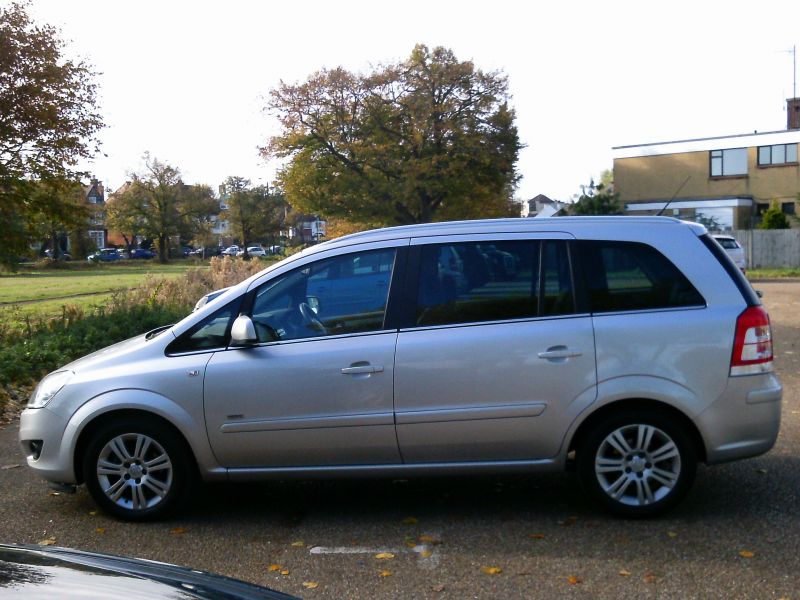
(139, 470)
(638, 464)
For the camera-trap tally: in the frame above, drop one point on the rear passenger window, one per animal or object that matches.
(632, 276)
(493, 281)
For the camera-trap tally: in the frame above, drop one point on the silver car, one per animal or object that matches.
(632, 347)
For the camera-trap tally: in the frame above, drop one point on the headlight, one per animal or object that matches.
(49, 387)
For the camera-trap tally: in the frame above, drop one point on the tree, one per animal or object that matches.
(430, 138)
(774, 218)
(58, 207)
(159, 205)
(597, 199)
(48, 121)
(253, 212)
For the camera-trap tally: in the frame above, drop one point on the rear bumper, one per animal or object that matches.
(744, 421)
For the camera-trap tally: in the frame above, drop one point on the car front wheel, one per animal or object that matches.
(137, 471)
(637, 464)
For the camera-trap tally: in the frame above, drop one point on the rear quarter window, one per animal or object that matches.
(623, 276)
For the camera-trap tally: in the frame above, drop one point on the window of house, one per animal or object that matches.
(778, 154)
(788, 208)
(493, 281)
(729, 162)
(625, 276)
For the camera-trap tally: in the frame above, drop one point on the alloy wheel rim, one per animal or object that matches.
(134, 471)
(637, 465)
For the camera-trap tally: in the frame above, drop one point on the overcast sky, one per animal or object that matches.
(186, 81)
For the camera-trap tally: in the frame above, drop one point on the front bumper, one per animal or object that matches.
(54, 461)
(744, 421)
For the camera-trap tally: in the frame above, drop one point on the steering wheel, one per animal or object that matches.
(310, 318)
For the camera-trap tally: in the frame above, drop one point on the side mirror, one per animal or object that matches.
(243, 332)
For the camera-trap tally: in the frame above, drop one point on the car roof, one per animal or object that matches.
(516, 225)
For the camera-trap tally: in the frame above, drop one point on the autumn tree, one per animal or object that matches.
(159, 205)
(253, 213)
(48, 122)
(427, 139)
(57, 208)
(597, 199)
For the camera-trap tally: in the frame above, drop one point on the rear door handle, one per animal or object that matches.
(355, 370)
(559, 352)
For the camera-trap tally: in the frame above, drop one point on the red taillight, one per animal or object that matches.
(752, 345)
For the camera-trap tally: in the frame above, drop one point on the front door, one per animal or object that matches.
(318, 389)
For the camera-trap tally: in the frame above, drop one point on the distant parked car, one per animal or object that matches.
(231, 251)
(209, 297)
(39, 572)
(253, 251)
(734, 250)
(276, 250)
(61, 255)
(105, 255)
(206, 252)
(142, 253)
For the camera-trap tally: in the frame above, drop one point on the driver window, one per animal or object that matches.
(334, 296)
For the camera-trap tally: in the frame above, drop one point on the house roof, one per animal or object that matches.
(709, 143)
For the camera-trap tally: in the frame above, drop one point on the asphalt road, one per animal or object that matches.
(737, 535)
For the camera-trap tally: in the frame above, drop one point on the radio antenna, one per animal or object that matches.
(678, 191)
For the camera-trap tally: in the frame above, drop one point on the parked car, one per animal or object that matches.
(61, 255)
(253, 251)
(734, 250)
(231, 251)
(53, 572)
(206, 252)
(105, 255)
(631, 345)
(142, 253)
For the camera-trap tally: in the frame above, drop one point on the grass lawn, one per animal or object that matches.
(772, 273)
(44, 293)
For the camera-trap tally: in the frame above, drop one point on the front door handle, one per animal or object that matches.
(357, 369)
(557, 352)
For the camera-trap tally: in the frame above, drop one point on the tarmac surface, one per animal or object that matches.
(737, 534)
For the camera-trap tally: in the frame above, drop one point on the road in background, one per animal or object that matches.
(736, 535)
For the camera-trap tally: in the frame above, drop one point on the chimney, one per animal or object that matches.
(793, 113)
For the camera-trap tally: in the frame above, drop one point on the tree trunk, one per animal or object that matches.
(163, 248)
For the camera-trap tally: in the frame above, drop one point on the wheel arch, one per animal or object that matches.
(618, 406)
(115, 416)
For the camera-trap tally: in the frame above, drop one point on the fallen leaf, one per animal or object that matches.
(439, 587)
(55, 493)
(746, 554)
(177, 530)
(536, 536)
(298, 544)
(625, 573)
(672, 534)
(384, 555)
(492, 570)
(573, 580)
(385, 573)
(310, 585)
(429, 539)
(426, 554)
(47, 542)
(100, 530)
(284, 571)
(650, 578)
(8, 467)
(410, 521)
(92, 513)
(273, 568)
(411, 544)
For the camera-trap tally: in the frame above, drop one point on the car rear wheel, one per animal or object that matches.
(638, 464)
(137, 471)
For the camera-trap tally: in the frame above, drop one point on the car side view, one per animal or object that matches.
(631, 346)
